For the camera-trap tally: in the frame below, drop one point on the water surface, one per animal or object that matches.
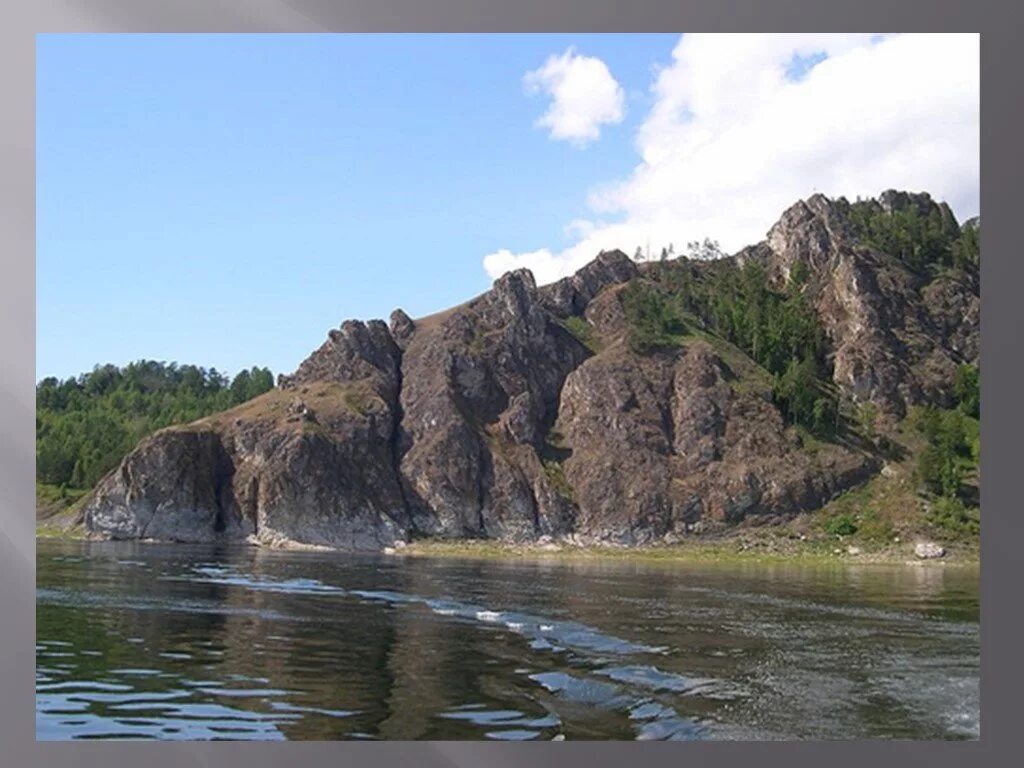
(205, 642)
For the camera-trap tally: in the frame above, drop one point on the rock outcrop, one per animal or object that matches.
(481, 390)
(524, 413)
(660, 444)
(897, 336)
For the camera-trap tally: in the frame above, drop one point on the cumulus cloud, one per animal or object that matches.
(584, 96)
(742, 126)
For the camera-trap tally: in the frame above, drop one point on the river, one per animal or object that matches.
(170, 641)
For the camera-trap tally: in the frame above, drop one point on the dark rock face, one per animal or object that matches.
(570, 295)
(495, 420)
(176, 485)
(402, 327)
(480, 392)
(355, 352)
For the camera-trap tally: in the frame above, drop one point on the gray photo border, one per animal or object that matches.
(1003, 533)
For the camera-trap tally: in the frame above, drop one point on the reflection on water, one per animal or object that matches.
(205, 642)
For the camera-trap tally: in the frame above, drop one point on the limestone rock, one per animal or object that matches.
(928, 550)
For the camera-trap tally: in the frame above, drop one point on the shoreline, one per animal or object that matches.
(720, 550)
(731, 548)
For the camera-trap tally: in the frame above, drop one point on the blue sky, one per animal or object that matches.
(225, 200)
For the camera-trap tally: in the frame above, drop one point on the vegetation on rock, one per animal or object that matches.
(947, 466)
(776, 328)
(922, 241)
(582, 331)
(655, 317)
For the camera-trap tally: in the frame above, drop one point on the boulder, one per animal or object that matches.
(928, 550)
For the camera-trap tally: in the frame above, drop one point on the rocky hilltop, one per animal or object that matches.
(531, 411)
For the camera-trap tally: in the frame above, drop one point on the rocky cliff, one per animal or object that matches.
(526, 412)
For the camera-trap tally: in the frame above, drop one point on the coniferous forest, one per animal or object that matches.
(86, 424)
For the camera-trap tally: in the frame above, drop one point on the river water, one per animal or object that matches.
(204, 642)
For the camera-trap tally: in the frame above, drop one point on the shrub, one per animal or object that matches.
(967, 387)
(842, 525)
(867, 417)
(951, 514)
(799, 273)
(556, 478)
(874, 527)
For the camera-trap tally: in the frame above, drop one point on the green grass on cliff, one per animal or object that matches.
(54, 499)
(57, 511)
(583, 332)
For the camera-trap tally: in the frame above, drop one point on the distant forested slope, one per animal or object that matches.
(86, 424)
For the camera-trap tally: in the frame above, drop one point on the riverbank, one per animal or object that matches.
(729, 549)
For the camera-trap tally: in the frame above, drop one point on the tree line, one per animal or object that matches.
(86, 424)
(921, 241)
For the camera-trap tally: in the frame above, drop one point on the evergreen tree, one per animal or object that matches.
(967, 388)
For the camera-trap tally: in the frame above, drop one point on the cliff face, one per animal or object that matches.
(525, 413)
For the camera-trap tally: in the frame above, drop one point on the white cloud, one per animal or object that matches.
(731, 141)
(584, 96)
